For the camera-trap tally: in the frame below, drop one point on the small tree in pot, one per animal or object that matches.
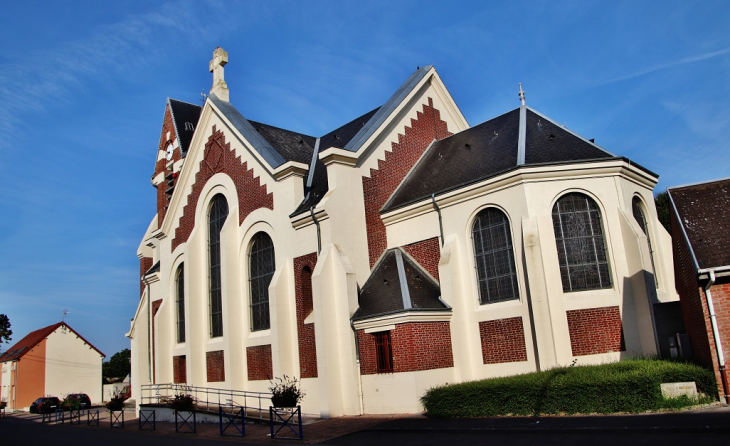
(183, 402)
(286, 392)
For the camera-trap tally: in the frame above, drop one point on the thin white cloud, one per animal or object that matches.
(683, 61)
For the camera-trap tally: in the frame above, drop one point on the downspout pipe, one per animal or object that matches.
(438, 211)
(357, 363)
(715, 331)
(319, 235)
(149, 331)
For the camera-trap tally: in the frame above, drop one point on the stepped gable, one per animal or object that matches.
(315, 189)
(704, 211)
(394, 275)
(185, 118)
(489, 149)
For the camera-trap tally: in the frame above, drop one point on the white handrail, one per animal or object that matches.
(164, 393)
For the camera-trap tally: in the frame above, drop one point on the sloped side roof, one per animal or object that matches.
(704, 213)
(34, 338)
(487, 150)
(339, 138)
(389, 290)
(292, 146)
(184, 113)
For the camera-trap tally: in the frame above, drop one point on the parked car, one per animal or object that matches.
(76, 401)
(125, 393)
(45, 404)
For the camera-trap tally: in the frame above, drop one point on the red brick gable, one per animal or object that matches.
(427, 253)
(220, 158)
(163, 200)
(390, 172)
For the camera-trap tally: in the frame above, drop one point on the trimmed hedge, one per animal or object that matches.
(626, 386)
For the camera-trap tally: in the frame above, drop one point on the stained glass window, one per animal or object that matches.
(180, 301)
(494, 257)
(262, 267)
(216, 217)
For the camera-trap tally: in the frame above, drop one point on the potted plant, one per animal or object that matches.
(115, 404)
(183, 402)
(286, 392)
(3, 404)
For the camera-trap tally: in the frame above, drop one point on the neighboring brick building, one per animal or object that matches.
(402, 250)
(51, 361)
(700, 219)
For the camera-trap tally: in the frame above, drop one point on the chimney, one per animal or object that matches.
(220, 88)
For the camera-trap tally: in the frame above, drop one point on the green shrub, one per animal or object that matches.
(626, 386)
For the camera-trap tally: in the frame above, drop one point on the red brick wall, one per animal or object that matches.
(721, 302)
(145, 263)
(215, 366)
(303, 268)
(416, 346)
(391, 171)
(218, 157)
(155, 307)
(503, 340)
(259, 362)
(595, 330)
(179, 369)
(427, 253)
(160, 165)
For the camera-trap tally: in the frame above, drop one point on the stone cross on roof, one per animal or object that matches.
(220, 59)
(521, 94)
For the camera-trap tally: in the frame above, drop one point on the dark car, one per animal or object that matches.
(76, 401)
(46, 404)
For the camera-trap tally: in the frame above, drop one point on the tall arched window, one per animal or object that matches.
(216, 217)
(261, 269)
(581, 247)
(494, 257)
(638, 209)
(180, 303)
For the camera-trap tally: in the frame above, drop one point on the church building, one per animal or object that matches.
(403, 250)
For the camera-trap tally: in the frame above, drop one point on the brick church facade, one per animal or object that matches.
(402, 250)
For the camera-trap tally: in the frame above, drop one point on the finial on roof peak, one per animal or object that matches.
(521, 94)
(220, 59)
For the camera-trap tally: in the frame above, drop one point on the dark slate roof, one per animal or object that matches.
(340, 137)
(383, 293)
(183, 112)
(30, 341)
(704, 213)
(292, 146)
(489, 149)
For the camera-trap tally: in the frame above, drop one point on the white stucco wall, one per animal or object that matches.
(72, 366)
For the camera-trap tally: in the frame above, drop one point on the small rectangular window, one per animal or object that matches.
(384, 352)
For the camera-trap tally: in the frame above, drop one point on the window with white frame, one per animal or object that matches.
(180, 303)
(216, 217)
(261, 270)
(494, 257)
(580, 243)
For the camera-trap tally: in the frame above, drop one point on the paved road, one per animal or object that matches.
(21, 432)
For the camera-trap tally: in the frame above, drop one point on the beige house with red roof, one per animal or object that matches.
(53, 361)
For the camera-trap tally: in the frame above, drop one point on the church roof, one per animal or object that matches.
(491, 148)
(31, 340)
(398, 284)
(185, 118)
(703, 211)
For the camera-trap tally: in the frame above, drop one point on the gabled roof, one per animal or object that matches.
(398, 284)
(703, 212)
(489, 149)
(34, 338)
(185, 119)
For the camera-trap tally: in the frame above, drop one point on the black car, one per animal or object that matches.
(46, 404)
(76, 401)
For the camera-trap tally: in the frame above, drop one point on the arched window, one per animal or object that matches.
(581, 247)
(638, 209)
(216, 217)
(180, 303)
(494, 257)
(261, 269)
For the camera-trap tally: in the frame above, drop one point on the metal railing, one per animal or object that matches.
(211, 399)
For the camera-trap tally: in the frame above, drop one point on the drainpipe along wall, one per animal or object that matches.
(715, 331)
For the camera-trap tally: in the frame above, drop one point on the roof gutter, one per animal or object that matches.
(715, 332)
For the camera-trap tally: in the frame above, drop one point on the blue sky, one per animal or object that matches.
(83, 86)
